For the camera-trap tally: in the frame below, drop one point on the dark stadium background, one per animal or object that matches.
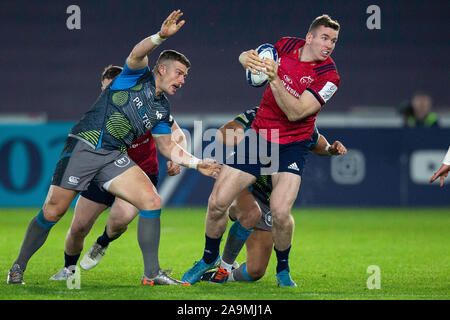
(47, 68)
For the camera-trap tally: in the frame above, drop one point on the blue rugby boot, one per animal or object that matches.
(194, 274)
(284, 279)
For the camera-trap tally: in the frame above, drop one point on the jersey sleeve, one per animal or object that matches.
(286, 45)
(161, 128)
(164, 126)
(129, 77)
(326, 85)
(247, 117)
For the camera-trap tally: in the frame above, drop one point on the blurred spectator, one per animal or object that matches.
(417, 112)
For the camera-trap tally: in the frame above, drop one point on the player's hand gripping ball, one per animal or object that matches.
(265, 51)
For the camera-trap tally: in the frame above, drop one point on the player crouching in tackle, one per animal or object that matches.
(305, 79)
(250, 212)
(95, 150)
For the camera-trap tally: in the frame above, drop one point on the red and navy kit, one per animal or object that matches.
(143, 152)
(318, 77)
(282, 145)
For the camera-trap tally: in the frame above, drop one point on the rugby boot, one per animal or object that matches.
(15, 275)
(161, 279)
(195, 273)
(64, 274)
(220, 276)
(284, 279)
(208, 275)
(93, 256)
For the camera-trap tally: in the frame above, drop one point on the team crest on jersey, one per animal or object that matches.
(306, 80)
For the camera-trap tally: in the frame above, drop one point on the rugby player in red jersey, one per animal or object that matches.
(300, 83)
(94, 200)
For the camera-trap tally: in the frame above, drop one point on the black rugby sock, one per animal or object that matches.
(282, 259)
(212, 247)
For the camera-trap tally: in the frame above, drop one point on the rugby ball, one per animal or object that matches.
(265, 51)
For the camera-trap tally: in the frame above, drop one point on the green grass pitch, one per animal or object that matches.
(332, 249)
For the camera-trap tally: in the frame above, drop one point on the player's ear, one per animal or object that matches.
(162, 68)
(309, 37)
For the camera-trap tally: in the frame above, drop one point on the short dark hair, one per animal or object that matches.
(111, 72)
(326, 21)
(173, 56)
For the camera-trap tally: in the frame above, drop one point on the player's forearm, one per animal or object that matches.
(291, 106)
(173, 151)
(321, 148)
(178, 136)
(138, 56)
(243, 59)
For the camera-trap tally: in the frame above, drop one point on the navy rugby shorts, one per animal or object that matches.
(257, 156)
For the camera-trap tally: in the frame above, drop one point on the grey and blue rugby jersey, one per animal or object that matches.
(262, 188)
(125, 111)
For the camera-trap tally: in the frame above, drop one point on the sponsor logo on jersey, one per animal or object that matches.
(287, 79)
(290, 89)
(327, 91)
(293, 166)
(122, 162)
(135, 145)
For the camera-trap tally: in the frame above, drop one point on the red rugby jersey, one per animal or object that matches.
(143, 152)
(319, 77)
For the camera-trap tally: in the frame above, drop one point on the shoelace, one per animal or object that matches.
(97, 250)
(221, 273)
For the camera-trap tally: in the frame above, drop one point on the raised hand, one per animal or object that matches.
(171, 25)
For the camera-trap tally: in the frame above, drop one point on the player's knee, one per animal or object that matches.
(281, 217)
(151, 202)
(256, 272)
(280, 211)
(53, 211)
(251, 218)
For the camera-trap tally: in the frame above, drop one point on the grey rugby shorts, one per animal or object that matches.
(266, 220)
(80, 164)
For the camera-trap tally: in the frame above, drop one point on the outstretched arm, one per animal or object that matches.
(323, 148)
(178, 136)
(138, 56)
(173, 151)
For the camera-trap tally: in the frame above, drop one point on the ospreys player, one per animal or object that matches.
(134, 103)
(254, 228)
